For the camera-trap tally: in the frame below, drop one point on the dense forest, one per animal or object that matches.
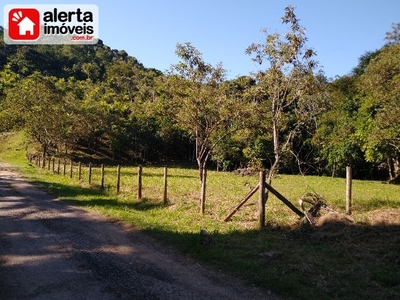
(76, 99)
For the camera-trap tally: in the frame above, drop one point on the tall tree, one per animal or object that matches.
(379, 125)
(283, 87)
(335, 137)
(231, 153)
(31, 105)
(363, 62)
(393, 37)
(202, 107)
(46, 108)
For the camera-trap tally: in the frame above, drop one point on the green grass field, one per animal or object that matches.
(343, 262)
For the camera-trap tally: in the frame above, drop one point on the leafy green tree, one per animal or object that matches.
(30, 105)
(231, 152)
(202, 107)
(107, 98)
(8, 79)
(75, 120)
(363, 62)
(125, 79)
(393, 37)
(379, 124)
(47, 109)
(283, 87)
(336, 138)
(5, 50)
(95, 103)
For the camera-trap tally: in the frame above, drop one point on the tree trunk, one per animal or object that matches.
(202, 154)
(277, 157)
(201, 168)
(202, 163)
(391, 168)
(203, 190)
(271, 173)
(44, 156)
(397, 165)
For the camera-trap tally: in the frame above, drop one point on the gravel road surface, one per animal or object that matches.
(51, 250)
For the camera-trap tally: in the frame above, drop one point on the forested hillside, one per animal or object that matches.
(74, 99)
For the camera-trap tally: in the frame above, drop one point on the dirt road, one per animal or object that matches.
(50, 250)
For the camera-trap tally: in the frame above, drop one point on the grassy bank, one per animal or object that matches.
(343, 262)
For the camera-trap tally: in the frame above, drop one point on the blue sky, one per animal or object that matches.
(340, 31)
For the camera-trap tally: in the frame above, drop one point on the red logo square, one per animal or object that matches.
(24, 24)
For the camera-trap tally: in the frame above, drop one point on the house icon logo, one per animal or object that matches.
(24, 24)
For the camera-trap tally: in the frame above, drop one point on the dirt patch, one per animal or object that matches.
(333, 224)
(384, 217)
(334, 218)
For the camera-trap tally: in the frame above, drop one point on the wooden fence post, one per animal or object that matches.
(139, 191)
(165, 196)
(48, 163)
(118, 177)
(58, 167)
(349, 178)
(53, 167)
(65, 166)
(70, 168)
(90, 173)
(261, 199)
(102, 176)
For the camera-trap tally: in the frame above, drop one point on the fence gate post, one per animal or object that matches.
(261, 199)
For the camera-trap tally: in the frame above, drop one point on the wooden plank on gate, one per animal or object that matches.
(284, 200)
(247, 197)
